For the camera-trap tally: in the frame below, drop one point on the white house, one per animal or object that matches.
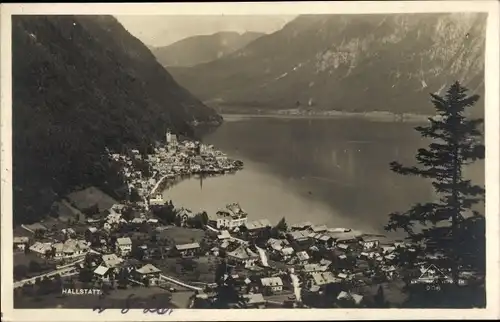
(111, 260)
(319, 279)
(149, 272)
(157, 200)
(124, 245)
(273, 284)
(75, 248)
(243, 256)
(302, 257)
(232, 217)
(20, 242)
(370, 244)
(40, 248)
(103, 273)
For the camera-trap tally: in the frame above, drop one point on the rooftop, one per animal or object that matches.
(242, 253)
(40, 247)
(299, 235)
(271, 281)
(124, 241)
(148, 269)
(19, 240)
(187, 246)
(318, 229)
(302, 225)
(258, 224)
(303, 255)
(323, 278)
(101, 270)
(111, 260)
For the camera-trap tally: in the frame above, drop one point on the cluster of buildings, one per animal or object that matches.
(175, 158)
(301, 260)
(304, 260)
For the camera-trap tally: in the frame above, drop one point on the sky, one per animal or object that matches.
(164, 30)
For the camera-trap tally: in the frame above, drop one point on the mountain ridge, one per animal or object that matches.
(353, 63)
(82, 84)
(200, 49)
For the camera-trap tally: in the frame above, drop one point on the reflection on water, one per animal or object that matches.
(327, 171)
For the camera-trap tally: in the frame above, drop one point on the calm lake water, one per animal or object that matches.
(327, 171)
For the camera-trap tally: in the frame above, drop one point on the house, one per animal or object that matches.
(287, 252)
(272, 284)
(321, 279)
(257, 225)
(311, 268)
(90, 232)
(224, 235)
(152, 221)
(157, 200)
(114, 219)
(370, 244)
(103, 273)
(346, 297)
(111, 261)
(243, 256)
(323, 239)
(69, 232)
(343, 276)
(40, 248)
(343, 247)
(71, 248)
(124, 245)
(255, 301)
(302, 257)
(325, 262)
(150, 273)
(188, 249)
(116, 208)
(20, 242)
(388, 249)
(232, 217)
(34, 227)
(130, 264)
(58, 249)
(298, 236)
(138, 220)
(319, 229)
(302, 226)
(185, 215)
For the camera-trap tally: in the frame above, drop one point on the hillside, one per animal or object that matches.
(353, 63)
(201, 49)
(81, 84)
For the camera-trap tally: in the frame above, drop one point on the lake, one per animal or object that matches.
(327, 171)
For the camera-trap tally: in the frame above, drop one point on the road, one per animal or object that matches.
(65, 270)
(178, 282)
(68, 271)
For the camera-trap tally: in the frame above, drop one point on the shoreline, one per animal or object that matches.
(376, 117)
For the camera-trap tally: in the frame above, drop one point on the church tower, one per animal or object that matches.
(168, 137)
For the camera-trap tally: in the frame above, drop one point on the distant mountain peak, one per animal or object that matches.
(355, 62)
(200, 49)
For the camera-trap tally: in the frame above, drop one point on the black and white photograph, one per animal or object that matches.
(165, 163)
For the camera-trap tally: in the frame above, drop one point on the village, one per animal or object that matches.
(149, 247)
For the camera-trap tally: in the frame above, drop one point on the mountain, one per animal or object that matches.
(354, 63)
(82, 84)
(201, 49)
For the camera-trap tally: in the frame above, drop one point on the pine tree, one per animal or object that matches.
(456, 142)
